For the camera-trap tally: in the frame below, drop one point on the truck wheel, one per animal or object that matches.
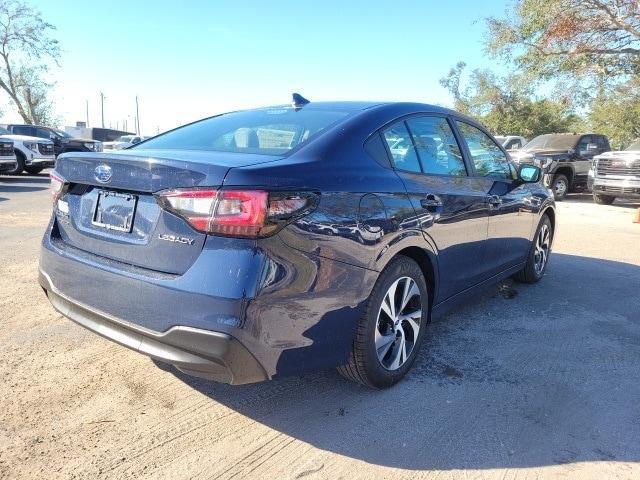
(33, 170)
(560, 186)
(603, 199)
(20, 165)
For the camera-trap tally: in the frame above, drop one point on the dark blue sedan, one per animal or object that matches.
(285, 239)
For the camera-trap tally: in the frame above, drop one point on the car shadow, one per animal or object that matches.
(25, 178)
(525, 376)
(23, 183)
(588, 198)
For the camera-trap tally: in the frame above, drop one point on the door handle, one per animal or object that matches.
(494, 200)
(431, 202)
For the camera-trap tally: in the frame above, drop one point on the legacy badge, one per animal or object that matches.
(176, 239)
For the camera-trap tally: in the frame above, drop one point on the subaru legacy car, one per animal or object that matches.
(275, 241)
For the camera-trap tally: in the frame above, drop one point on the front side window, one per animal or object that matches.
(437, 147)
(584, 142)
(489, 160)
(268, 131)
(401, 147)
(513, 144)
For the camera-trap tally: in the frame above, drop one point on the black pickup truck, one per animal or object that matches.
(62, 141)
(565, 158)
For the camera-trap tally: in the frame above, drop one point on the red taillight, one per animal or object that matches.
(237, 213)
(57, 186)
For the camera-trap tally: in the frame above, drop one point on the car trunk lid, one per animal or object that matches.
(109, 208)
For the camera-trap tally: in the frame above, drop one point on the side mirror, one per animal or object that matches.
(529, 174)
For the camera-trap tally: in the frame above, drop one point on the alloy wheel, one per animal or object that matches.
(560, 188)
(398, 323)
(543, 241)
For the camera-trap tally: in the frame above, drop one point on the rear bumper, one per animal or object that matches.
(207, 354)
(285, 310)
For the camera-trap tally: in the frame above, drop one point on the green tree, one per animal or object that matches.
(26, 51)
(615, 112)
(506, 105)
(578, 38)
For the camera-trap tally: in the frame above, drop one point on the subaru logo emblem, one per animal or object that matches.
(102, 173)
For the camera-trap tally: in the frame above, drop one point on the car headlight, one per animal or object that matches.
(542, 162)
(31, 145)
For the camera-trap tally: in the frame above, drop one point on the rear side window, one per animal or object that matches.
(437, 147)
(401, 147)
(269, 131)
(489, 160)
(24, 130)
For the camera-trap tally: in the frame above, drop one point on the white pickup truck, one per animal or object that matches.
(32, 154)
(7, 156)
(616, 175)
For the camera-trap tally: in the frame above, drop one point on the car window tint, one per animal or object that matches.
(602, 143)
(488, 159)
(42, 133)
(268, 131)
(584, 141)
(23, 131)
(401, 148)
(436, 145)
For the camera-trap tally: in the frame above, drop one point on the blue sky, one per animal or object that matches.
(195, 58)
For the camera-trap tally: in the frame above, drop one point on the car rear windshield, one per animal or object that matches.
(269, 131)
(553, 142)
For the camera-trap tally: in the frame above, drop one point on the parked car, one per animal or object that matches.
(32, 154)
(564, 157)
(206, 247)
(8, 160)
(511, 142)
(123, 142)
(62, 141)
(616, 175)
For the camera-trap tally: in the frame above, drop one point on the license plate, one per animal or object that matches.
(115, 211)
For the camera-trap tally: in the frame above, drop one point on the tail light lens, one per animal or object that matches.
(237, 213)
(57, 186)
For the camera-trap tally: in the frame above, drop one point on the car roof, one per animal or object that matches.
(355, 106)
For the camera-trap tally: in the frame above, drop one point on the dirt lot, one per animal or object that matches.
(528, 382)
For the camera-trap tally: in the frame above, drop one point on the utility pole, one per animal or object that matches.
(87, 104)
(137, 117)
(102, 97)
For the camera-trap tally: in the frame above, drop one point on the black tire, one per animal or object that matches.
(19, 167)
(31, 170)
(364, 367)
(531, 273)
(603, 199)
(560, 186)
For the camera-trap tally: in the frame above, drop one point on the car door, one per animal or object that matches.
(584, 155)
(449, 204)
(511, 204)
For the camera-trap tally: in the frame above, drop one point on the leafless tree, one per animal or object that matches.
(26, 52)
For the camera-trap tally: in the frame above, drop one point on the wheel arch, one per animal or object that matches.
(426, 262)
(567, 172)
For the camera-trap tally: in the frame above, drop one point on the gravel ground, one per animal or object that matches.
(527, 382)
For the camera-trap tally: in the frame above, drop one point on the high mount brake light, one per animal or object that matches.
(237, 213)
(57, 186)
